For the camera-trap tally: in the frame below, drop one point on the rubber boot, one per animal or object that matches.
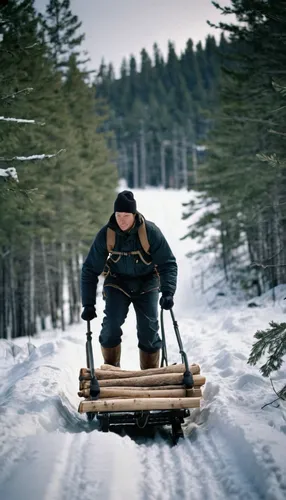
(111, 355)
(149, 359)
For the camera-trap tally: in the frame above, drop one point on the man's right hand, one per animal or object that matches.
(88, 313)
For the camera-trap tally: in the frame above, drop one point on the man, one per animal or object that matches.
(137, 262)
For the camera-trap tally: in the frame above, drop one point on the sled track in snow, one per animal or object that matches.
(204, 467)
(215, 462)
(75, 472)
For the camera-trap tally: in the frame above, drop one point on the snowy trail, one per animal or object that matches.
(232, 449)
(61, 466)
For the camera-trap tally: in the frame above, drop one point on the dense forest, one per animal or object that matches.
(161, 111)
(51, 135)
(244, 175)
(209, 119)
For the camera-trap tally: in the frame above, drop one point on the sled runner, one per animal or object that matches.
(153, 397)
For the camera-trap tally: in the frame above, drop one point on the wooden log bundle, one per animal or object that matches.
(133, 390)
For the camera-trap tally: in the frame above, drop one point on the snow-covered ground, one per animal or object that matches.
(233, 449)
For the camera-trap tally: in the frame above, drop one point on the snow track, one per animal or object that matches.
(204, 467)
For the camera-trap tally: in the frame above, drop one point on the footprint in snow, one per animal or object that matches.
(223, 360)
(227, 372)
(246, 382)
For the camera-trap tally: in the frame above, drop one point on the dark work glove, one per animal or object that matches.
(89, 313)
(166, 301)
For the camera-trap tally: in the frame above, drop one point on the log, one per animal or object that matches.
(149, 380)
(85, 385)
(133, 392)
(108, 367)
(176, 368)
(115, 372)
(139, 404)
(111, 367)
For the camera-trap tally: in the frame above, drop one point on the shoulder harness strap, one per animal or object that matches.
(142, 233)
(110, 239)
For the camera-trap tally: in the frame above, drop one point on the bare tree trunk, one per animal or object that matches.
(4, 298)
(135, 166)
(277, 240)
(48, 305)
(54, 284)
(78, 274)
(125, 168)
(12, 310)
(61, 283)
(163, 165)
(185, 162)
(195, 164)
(32, 317)
(75, 284)
(224, 251)
(72, 284)
(175, 159)
(262, 246)
(143, 157)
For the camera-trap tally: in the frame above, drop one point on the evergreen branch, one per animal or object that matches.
(276, 132)
(278, 109)
(9, 172)
(280, 395)
(33, 157)
(20, 120)
(279, 88)
(274, 340)
(245, 119)
(266, 266)
(26, 91)
(32, 46)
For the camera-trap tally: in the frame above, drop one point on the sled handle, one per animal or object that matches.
(164, 346)
(94, 385)
(188, 380)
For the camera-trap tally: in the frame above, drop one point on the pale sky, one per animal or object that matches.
(117, 28)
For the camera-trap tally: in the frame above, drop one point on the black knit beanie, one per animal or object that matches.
(125, 203)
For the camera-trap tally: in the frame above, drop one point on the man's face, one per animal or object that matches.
(124, 220)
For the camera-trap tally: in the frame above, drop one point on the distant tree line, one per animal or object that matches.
(161, 111)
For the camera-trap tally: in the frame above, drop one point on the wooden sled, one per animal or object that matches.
(153, 397)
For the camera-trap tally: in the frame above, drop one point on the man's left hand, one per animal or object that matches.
(166, 301)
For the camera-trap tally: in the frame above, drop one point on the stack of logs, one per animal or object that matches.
(152, 389)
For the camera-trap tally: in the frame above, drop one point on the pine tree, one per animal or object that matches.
(273, 342)
(60, 29)
(146, 73)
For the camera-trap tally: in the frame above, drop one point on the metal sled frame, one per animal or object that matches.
(144, 418)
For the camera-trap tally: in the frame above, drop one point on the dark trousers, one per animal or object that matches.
(116, 309)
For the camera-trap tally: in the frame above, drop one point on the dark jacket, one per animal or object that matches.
(129, 273)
